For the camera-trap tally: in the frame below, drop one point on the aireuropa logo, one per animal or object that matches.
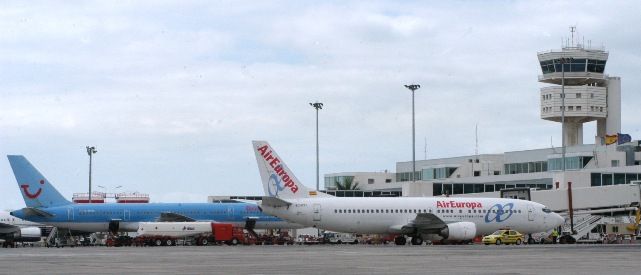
(274, 185)
(499, 213)
(279, 169)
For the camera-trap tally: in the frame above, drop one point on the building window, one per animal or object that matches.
(370, 181)
(496, 173)
(477, 173)
(595, 179)
(570, 108)
(578, 95)
(578, 108)
(388, 180)
(615, 163)
(591, 95)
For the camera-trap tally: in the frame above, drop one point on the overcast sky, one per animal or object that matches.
(173, 92)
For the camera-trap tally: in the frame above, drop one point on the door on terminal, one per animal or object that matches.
(530, 213)
(317, 212)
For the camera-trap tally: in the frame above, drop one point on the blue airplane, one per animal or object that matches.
(46, 205)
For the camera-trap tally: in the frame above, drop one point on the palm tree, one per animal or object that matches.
(348, 185)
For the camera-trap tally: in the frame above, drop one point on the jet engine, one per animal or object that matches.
(28, 234)
(459, 231)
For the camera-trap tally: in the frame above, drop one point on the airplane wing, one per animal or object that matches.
(424, 223)
(174, 217)
(8, 228)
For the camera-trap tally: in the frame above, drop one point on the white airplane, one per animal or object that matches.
(434, 218)
(14, 229)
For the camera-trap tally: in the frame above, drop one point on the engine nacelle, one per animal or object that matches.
(459, 231)
(28, 234)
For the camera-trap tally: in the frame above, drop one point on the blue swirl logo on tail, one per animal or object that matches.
(499, 213)
(274, 185)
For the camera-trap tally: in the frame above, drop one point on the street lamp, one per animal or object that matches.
(90, 151)
(413, 87)
(563, 61)
(317, 106)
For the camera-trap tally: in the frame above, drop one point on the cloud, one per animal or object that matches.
(173, 93)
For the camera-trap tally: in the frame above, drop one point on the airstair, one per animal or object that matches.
(60, 238)
(583, 224)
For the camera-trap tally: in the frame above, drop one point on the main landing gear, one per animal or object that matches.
(417, 240)
(400, 240)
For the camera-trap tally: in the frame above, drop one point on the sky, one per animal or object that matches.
(172, 93)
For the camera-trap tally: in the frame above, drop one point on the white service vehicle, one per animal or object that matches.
(339, 238)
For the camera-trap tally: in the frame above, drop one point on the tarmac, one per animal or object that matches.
(326, 259)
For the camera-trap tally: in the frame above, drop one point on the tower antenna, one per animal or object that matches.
(572, 31)
(476, 136)
(425, 148)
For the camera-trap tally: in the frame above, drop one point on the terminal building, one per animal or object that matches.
(595, 180)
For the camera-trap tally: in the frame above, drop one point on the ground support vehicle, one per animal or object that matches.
(198, 233)
(504, 236)
(338, 238)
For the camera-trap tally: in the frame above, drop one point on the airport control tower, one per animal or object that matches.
(578, 73)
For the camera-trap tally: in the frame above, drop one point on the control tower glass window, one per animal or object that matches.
(596, 66)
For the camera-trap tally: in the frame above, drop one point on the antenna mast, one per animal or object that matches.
(572, 30)
(425, 148)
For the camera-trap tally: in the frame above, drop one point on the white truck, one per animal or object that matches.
(339, 238)
(167, 233)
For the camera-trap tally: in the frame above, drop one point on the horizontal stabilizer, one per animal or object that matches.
(32, 211)
(275, 202)
(174, 217)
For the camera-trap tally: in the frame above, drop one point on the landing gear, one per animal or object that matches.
(400, 240)
(417, 240)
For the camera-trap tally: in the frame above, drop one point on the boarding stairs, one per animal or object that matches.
(60, 238)
(583, 224)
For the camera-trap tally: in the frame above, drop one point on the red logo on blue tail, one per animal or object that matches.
(25, 188)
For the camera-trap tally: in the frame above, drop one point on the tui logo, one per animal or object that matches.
(25, 189)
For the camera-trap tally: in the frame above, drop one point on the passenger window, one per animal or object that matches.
(469, 211)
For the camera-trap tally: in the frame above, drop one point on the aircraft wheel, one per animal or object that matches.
(158, 242)
(417, 240)
(498, 242)
(400, 240)
(169, 242)
(234, 241)
(204, 241)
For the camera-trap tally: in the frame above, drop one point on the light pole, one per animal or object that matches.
(90, 151)
(413, 87)
(563, 61)
(317, 106)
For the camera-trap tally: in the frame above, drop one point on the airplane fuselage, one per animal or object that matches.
(388, 215)
(96, 217)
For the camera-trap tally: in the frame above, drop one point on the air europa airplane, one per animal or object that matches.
(434, 218)
(45, 205)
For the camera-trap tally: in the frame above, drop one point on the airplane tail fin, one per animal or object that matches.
(36, 190)
(278, 180)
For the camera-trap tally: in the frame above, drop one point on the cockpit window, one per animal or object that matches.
(547, 210)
